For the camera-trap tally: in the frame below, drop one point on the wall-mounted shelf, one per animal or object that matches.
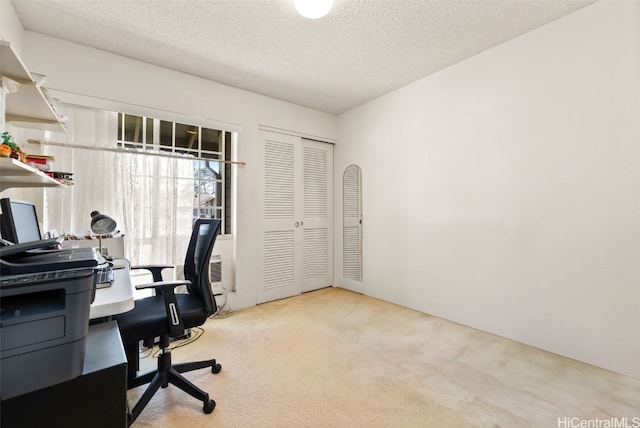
(28, 107)
(14, 173)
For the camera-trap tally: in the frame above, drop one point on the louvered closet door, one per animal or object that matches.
(352, 224)
(296, 250)
(317, 227)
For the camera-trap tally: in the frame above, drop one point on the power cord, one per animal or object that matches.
(223, 310)
(196, 333)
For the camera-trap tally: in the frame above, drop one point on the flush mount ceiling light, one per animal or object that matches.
(313, 9)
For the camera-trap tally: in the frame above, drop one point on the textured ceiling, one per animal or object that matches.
(361, 50)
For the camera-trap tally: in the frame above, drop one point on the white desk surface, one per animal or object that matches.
(115, 299)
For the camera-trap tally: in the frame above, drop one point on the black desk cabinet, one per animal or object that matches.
(97, 398)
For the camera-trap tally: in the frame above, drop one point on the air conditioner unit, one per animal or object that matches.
(215, 278)
(215, 270)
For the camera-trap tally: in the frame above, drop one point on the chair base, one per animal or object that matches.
(171, 374)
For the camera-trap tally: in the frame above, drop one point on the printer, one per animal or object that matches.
(45, 297)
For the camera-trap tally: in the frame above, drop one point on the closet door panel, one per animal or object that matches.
(317, 161)
(279, 258)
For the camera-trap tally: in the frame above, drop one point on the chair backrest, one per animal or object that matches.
(196, 262)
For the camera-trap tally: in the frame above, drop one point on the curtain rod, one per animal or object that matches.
(129, 151)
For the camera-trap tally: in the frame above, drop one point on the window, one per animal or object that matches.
(202, 178)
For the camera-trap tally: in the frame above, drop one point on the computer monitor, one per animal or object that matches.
(19, 221)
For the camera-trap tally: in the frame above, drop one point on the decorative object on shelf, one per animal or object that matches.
(5, 151)
(5, 148)
(16, 151)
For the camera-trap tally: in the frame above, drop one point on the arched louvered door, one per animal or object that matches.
(296, 254)
(352, 223)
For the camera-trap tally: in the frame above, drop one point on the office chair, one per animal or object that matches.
(167, 314)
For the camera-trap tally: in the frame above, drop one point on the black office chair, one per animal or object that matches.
(167, 314)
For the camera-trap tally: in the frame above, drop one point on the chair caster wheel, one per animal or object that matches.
(215, 369)
(209, 406)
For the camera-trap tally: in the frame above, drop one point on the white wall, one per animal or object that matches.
(511, 184)
(76, 69)
(10, 27)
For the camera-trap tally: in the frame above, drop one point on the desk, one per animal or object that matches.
(97, 398)
(115, 299)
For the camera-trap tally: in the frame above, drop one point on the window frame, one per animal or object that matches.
(222, 210)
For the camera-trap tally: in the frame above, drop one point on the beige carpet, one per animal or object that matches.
(333, 358)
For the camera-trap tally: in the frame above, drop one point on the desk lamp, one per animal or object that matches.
(101, 225)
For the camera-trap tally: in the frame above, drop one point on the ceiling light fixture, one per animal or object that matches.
(313, 9)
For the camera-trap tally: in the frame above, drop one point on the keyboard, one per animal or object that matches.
(104, 277)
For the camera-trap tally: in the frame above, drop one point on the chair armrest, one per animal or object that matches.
(176, 326)
(156, 270)
(163, 285)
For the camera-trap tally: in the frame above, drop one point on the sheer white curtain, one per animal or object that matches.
(68, 209)
(155, 207)
(143, 193)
